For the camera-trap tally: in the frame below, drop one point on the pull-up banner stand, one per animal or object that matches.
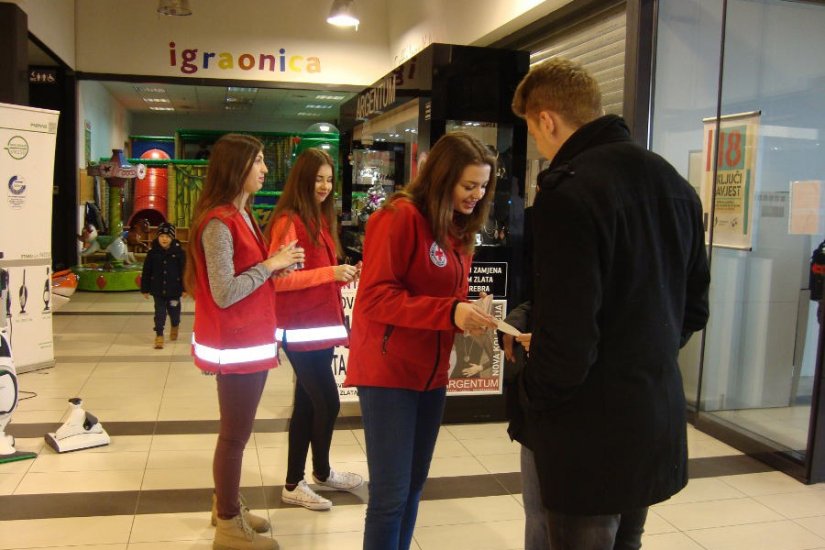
(27, 143)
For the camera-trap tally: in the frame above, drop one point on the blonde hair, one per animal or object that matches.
(562, 86)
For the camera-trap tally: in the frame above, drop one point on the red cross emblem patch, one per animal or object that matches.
(437, 256)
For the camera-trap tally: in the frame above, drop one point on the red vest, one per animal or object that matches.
(240, 338)
(312, 318)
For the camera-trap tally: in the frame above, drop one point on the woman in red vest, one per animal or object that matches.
(230, 276)
(411, 301)
(311, 323)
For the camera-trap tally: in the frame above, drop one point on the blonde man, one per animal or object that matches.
(620, 284)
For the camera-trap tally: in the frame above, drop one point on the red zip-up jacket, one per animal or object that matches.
(402, 326)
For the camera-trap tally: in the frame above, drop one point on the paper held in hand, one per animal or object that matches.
(508, 329)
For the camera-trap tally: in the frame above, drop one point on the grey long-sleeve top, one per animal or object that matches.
(218, 250)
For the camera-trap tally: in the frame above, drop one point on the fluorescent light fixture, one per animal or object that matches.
(161, 108)
(150, 90)
(156, 100)
(174, 7)
(342, 14)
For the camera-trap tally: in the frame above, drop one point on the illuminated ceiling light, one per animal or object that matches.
(156, 100)
(174, 7)
(322, 128)
(150, 89)
(161, 108)
(239, 90)
(342, 14)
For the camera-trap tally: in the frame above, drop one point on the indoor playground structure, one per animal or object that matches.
(163, 185)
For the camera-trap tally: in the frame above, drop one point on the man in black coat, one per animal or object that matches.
(620, 283)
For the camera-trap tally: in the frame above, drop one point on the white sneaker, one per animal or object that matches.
(341, 481)
(302, 495)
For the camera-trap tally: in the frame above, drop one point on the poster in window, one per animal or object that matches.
(729, 172)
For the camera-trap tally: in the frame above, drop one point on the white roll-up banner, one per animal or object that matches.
(27, 145)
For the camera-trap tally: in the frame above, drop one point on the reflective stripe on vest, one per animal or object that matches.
(235, 355)
(318, 334)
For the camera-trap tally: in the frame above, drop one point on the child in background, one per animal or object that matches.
(162, 277)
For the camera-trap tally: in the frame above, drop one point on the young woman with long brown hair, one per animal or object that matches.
(230, 276)
(411, 300)
(311, 323)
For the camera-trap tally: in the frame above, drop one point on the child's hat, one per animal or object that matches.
(166, 228)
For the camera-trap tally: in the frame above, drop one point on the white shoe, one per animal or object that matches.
(341, 481)
(302, 495)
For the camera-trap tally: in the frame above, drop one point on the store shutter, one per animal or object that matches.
(597, 43)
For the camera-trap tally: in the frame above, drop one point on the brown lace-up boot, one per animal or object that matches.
(236, 534)
(257, 523)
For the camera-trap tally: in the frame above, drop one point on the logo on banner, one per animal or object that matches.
(437, 256)
(17, 192)
(17, 147)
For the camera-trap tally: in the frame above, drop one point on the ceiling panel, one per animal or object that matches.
(211, 100)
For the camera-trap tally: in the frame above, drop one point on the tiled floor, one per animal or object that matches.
(150, 488)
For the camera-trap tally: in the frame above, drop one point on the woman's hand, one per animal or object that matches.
(469, 318)
(473, 370)
(345, 273)
(286, 256)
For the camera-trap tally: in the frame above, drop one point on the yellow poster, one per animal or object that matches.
(729, 170)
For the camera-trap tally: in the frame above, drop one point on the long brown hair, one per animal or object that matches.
(432, 191)
(299, 199)
(230, 162)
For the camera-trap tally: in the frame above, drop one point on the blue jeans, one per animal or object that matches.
(536, 530)
(609, 532)
(400, 427)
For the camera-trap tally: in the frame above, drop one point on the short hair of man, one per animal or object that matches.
(561, 86)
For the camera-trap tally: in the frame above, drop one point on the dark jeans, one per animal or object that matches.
(315, 409)
(536, 530)
(238, 397)
(610, 532)
(162, 306)
(400, 427)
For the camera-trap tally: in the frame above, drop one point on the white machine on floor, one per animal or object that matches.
(81, 431)
(8, 384)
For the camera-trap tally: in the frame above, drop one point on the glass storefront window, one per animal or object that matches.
(760, 344)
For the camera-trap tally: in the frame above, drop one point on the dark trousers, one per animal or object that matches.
(400, 428)
(164, 305)
(609, 532)
(238, 398)
(315, 409)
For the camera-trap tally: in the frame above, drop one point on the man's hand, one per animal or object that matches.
(524, 340)
(507, 340)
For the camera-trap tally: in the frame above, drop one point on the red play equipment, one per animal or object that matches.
(151, 192)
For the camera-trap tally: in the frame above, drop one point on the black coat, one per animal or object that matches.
(621, 281)
(162, 275)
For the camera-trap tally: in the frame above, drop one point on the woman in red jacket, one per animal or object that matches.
(311, 323)
(411, 300)
(229, 276)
